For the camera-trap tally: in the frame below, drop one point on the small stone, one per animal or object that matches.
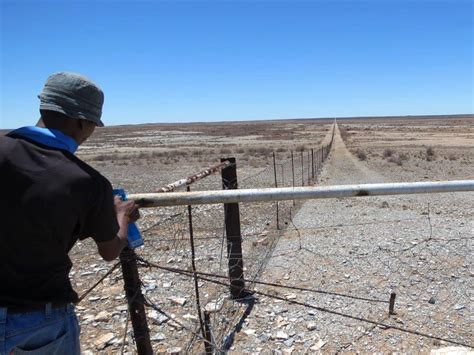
(250, 331)
(157, 318)
(173, 350)
(264, 338)
(167, 284)
(102, 317)
(281, 335)
(103, 340)
(190, 316)
(311, 326)
(458, 307)
(158, 337)
(432, 300)
(289, 342)
(178, 300)
(291, 296)
(318, 346)
(214, 306)
(93, 299)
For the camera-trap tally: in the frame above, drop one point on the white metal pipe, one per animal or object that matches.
(298, 193)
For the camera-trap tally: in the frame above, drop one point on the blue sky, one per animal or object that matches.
(176, 61)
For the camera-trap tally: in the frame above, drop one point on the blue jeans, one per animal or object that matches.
(49, 331)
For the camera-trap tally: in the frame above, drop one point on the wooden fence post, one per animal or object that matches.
(233, 234)
(136, 306)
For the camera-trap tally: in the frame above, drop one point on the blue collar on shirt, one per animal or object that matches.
(51, 137)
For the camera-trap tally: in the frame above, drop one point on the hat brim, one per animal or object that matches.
(57, 108)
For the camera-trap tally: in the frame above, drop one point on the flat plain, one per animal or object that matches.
(344, 255)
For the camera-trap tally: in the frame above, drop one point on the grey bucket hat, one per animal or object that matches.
(73, 95)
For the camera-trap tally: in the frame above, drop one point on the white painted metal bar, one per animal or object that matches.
(298, 193)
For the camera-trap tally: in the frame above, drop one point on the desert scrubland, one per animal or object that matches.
(345, 255)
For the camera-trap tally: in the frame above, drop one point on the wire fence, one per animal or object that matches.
(184, 273)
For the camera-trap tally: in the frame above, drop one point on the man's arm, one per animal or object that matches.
(127, 212)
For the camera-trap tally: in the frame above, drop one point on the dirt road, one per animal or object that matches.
(362, 249)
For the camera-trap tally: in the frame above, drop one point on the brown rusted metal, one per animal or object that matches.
(193, 178)
(391, 309)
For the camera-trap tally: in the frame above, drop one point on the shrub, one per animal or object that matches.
(101, 157)
(264, 151)
(281, 150)
(452, 157)
(387, 152)
(430, 152)
(395, 160)
(361, 154)
(300, 148)
(403, 156)
(225, 151)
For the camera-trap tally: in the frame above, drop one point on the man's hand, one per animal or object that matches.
(127, 212)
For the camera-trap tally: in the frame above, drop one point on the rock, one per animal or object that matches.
(190, 316)
(158, 337)
(173, 350)
(291, 296)
(101, 342)
(178, 300)
(432, 300)
(311, 326)
(289, 342)
(214, 306)
(458, 307)
(102, 317)
(281, 335)
(93, 299)
(264, 337)
(318, 346)
(122, 308)
(167, 284)
(157, 318)
(250, 331)
(451, 350)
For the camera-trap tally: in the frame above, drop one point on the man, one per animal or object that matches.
(49, 200)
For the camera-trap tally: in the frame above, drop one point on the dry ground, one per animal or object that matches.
(142, 158)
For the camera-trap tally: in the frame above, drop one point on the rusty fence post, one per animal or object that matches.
(312, 163)
(309, 168)
(208, 345)
(136, 306)
(391, 307)
(302, 169)
(276, 185)
(233, 234)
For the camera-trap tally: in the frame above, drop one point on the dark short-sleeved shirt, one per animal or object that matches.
(49, 200)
